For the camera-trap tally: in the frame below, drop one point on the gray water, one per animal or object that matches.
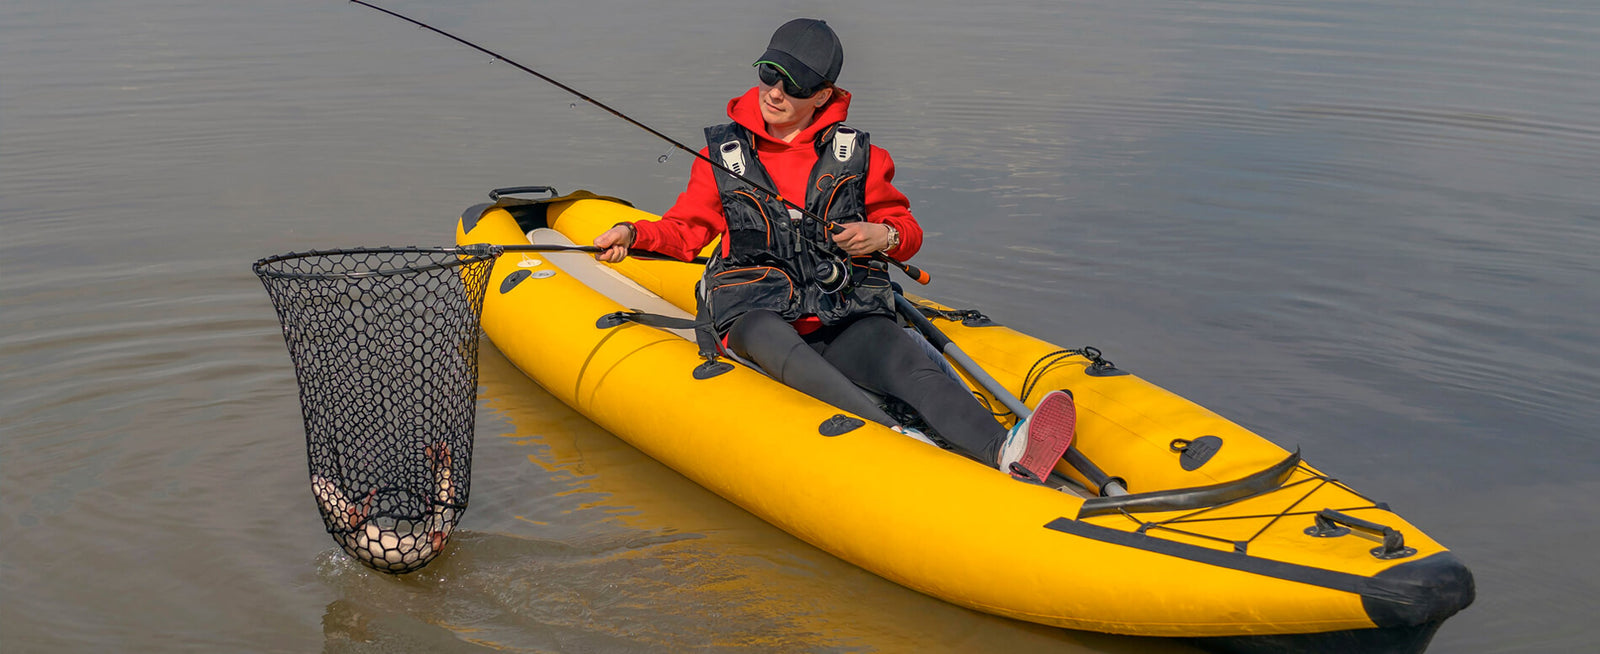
(1365, 229)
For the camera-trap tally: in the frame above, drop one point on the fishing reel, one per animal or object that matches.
(832, 275)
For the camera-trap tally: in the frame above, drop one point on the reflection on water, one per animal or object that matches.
(645, 561)
(1363, 228)
(659, 562)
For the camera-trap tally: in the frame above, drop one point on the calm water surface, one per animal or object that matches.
(1366, 229)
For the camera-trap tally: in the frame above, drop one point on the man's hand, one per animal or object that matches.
(862, 238)
(614, 242)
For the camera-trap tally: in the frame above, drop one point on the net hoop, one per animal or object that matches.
(384, 343)
(275, 266)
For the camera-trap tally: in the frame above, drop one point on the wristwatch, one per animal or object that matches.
(633, 232)
(894, 238)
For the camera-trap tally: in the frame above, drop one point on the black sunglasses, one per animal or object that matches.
(771, 75)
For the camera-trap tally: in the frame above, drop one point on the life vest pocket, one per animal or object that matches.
(870, 290)
(865, 272)
(737, 291)
(750, 225)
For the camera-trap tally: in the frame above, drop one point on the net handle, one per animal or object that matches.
(468, 254)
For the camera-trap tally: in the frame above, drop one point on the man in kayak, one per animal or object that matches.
(804, 299)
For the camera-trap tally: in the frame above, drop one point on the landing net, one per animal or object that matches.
(385, 349)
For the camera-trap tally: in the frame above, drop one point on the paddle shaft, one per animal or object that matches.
(1107, 484)
(833, 228)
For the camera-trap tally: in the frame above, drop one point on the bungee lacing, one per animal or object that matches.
(1317, 479)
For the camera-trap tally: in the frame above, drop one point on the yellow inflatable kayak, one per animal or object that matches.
(1223, 536)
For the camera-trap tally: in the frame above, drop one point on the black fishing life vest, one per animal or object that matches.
(777, 259)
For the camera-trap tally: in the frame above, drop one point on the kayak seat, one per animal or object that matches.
(624, 291)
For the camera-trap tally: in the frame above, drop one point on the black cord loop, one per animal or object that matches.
(1097, 363)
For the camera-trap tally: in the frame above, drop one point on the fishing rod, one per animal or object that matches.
(912, 271)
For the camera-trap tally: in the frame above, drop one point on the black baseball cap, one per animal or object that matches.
(807, 50)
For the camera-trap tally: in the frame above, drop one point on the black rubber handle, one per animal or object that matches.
(1329, 520)
(514, 190)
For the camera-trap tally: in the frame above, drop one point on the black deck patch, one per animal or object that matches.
(839, 425)
(512, 280)
(1199, 451)
(1103, 371)
(711, 369)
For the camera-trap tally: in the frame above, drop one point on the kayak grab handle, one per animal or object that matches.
(1328, 525)
(518, 190)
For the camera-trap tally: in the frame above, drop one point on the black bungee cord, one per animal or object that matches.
(910, 270)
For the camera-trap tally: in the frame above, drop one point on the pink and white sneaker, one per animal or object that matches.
(1033, 446)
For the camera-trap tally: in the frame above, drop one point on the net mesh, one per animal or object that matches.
(385, 349)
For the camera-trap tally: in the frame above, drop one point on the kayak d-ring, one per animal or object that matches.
(1099, 366)
(1195, 453)
(1332, 524)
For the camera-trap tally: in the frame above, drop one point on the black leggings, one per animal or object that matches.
(877, 354)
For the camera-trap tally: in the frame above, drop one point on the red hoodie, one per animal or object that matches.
(697, 218)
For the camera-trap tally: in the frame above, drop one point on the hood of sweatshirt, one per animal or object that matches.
(746, 110)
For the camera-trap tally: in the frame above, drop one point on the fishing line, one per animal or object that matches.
(910, 270)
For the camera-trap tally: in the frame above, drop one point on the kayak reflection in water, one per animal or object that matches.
(803, 299)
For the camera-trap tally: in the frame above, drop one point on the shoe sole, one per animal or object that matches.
(1050, 433)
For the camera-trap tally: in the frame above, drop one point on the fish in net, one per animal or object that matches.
(384, 343)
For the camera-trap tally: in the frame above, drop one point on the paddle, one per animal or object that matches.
(1108, 485)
